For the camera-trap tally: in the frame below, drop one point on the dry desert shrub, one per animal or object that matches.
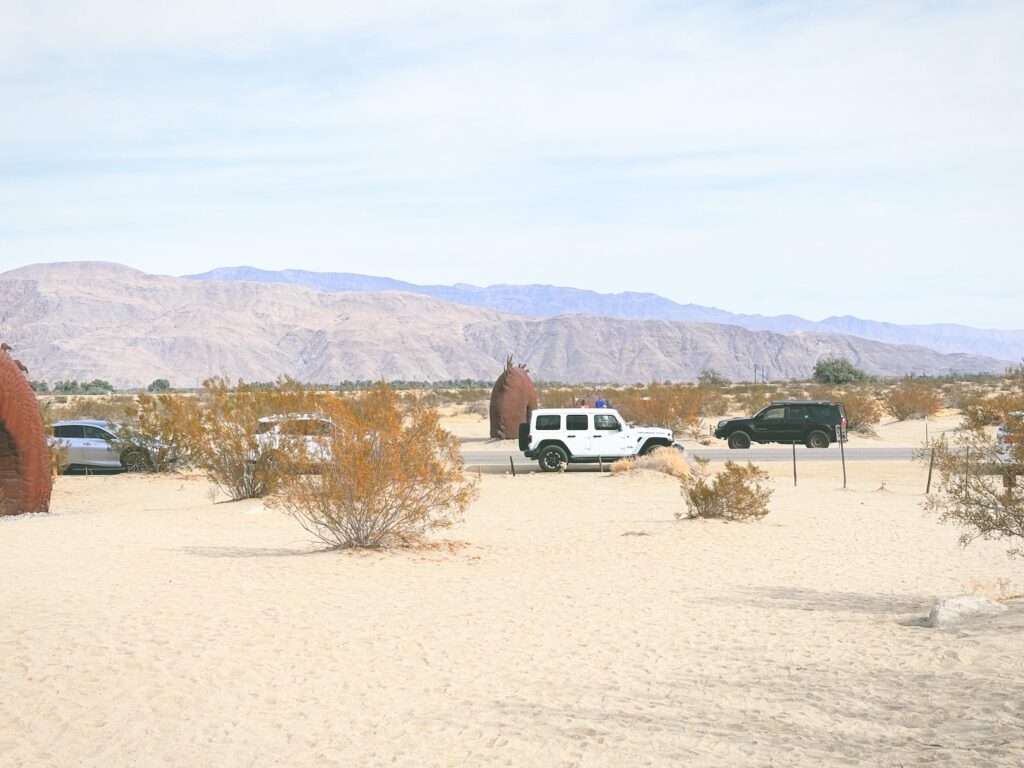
(392, 477)
(912, 399)
(977, 489)
(862, 412)
(715, 400)
(220, 434)
(158, 432)
(980, 411)
(668, 461)
(102, 407)
(675, 407)
(753, 398)
(479, 408)
(57, 450)
(736, 492)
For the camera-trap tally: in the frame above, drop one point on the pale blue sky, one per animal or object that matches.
(717, 153)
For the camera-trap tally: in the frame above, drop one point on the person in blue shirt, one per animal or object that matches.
(601, 403)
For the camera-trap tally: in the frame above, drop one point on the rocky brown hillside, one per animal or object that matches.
(87, 319)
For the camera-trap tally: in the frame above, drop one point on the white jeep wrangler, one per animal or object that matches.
(559, 436)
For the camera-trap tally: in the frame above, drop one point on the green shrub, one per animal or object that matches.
(837, 370)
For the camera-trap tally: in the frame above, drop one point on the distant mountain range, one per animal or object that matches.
(85, 320)
(552, 301)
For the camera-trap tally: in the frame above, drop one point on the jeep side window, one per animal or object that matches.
(549, 421)
(576, 422)
(607, 422)
(774, 413)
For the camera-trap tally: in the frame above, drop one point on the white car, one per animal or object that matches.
(305, 436)
(559, 436)
(92, 444)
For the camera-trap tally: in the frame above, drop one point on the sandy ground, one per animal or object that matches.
(572, 621)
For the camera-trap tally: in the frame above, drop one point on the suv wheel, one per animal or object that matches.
(817, 439)
(739, 440)
(552, 459)
(134, 460)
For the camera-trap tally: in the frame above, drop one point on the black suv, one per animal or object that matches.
(815, 423)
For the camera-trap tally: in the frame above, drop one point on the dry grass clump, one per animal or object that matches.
(668, 461)
(392, 476)
(736, 492)
(913, 399)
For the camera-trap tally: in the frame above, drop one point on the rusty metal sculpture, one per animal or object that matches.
(25, 478)
(513, 399)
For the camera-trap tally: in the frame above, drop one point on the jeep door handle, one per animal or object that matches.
(598, 437)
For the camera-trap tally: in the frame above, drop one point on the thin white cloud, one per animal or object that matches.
(709, 139)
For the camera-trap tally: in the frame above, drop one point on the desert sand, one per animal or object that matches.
(569, 620)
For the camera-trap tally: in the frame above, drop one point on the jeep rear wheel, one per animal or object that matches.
(552, 458)
(817, 439)
(739, 440)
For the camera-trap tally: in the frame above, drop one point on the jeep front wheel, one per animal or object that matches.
(739, 440)
(552, 459)
(817, 439)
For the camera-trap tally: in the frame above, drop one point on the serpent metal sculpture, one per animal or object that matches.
(25, 478)
(513, 399)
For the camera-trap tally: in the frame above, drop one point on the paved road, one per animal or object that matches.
(759, 454)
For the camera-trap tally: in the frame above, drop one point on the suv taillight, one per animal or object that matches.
(843, 423)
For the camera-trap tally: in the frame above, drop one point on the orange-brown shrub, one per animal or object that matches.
(392, 477)
(912, 399)
(736, 492)
(57, 450)
(219, 433)
(862, 411)
(675, 407)
(980, 411)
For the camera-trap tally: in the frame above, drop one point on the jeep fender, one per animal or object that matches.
(545, 443)
(653, 442)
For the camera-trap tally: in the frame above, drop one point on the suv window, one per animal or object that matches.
(779, 412)
(606, 421)
(799, 412)
(95, 433)
(826, 414)
(576, 422)
(549, 421)
(69, 431)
